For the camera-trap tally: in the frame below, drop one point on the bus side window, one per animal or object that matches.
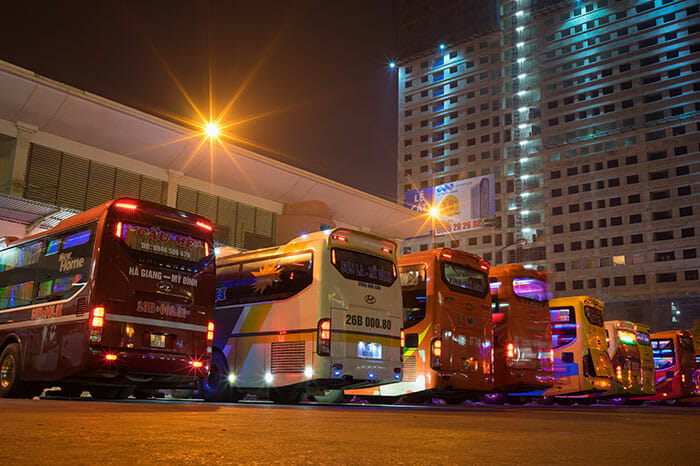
(64, 265)
(272, 279)
(17, 274)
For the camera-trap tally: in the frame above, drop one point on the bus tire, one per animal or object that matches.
(333, 396)
(145, 393)
(10, 386)
(215, 386)
(545, 400)
(71, 390)
(671, 402)
(287, 395)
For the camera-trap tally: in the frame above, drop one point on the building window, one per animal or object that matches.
(577, 284)
(639, 279)
(666, 277)
(691, 274)
(620, 281)
(560, 286)
(637, 238)
(559, 248)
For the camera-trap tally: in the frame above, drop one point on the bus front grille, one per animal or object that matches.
(288, 357)
(409, 368)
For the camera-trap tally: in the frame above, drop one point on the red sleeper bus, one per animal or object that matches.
(674, 361)
(522, 331)
(115, 298)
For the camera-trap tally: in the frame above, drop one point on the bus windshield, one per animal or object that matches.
(156, 241)
(414, 293)
(594, 316)
(563, 326)
(626, 337)
(465, 280)
(643, 339)
(664, 353)
(362, 267)
(530, 288)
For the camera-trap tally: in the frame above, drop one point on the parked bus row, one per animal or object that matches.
(130, 297)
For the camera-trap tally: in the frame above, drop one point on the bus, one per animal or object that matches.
(624, 352)
(581, 361)
(674, 361)
(117, 298)
(522, 332)
(448, 329)
(646, 359)
(320, 313)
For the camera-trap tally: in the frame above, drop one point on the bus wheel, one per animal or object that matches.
(618, 401)
(671, 402)
(333, 396)
(9, 372)
(287, 395)
(215, 387)
(545, 400)
(71, 391)
(145, 393)
(414, 399)
(495, 398)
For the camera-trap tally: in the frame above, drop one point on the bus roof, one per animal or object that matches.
(517, 269)
(98, 212)
(454, 255)
(572, 300)
(670, 334)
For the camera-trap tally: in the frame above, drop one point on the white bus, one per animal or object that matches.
(322, 312)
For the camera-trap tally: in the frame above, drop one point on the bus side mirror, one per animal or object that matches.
(411, 340)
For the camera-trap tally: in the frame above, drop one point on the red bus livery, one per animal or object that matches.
(114, 299)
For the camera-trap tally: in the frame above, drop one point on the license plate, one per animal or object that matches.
(369, 350)
(157, 341)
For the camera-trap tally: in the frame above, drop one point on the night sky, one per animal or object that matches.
(316, 70)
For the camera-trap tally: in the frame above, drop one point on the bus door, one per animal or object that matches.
(419, 328)
(646, 359)
(564, 336)
(465, 317)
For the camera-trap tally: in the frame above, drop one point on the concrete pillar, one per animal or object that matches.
(173, 182)
(19, 162)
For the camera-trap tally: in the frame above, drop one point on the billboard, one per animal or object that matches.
(419, 200)
(464, 205)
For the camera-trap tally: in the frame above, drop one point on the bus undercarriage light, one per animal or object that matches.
(126, 205)
(435, 353)
(324, 337)
(204, 225)
(111, 357)
(197, 364)
(308, 372)
(231, 378)
(268, 377)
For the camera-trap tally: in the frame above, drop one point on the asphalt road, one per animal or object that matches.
(170, 432)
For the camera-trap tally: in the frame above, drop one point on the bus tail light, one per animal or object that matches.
(333, 256)
(324, 337)
(510, 351)
(403, 343)
(111, 357)
(386, 250)
(484, 265)
(204, 225)
(435, 353)
(393, 269)
(118, 231)
(210, 336)
(126, 205)
(342, 238)
(97, 321)
(618, 373)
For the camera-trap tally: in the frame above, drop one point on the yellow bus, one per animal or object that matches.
(581, 361)
(624, 353)
(322, 312)
(646, 359)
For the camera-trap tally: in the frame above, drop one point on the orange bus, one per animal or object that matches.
(674, 361)
(522, 332)
(117, 298)
(447, 329)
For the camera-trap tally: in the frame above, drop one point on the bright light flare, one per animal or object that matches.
(212, 130)
(434, 212)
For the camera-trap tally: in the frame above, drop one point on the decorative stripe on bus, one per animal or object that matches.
(354, 332)
(274, 332)
(42, 322)
(154, 322)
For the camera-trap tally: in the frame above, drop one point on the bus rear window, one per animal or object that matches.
(626, 337)
(464, 279)
(414, 293)
(156, 241)
(362, 267)
(664, 353)
(686, 343)
(530, 288)
(563, 326)
(594, 316)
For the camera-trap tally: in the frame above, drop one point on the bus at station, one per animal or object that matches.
(448, 329)
(320, 313)
(522, 332)
(581, 361)
(674, 361)
(113, 300)
(624, 352)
